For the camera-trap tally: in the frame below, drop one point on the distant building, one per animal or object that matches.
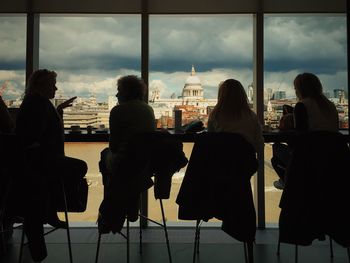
(250, 93)
(341, 95)
(279, 95)
(191, 102)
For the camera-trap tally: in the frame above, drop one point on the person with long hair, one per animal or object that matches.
(40, 131)
(233, 114)
(313, 112)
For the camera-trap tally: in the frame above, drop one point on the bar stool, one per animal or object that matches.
(127, 235)
(65, 210)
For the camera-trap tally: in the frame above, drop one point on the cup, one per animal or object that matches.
(89, 129)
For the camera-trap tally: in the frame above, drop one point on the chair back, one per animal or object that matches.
(217, 183)
(11, 167)
(316, 196)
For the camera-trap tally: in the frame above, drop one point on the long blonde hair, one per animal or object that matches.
(232, 101)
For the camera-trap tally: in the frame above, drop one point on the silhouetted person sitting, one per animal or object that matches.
(313, 112)
(132, 116)
(232, 114)
(6, 126)
(136, 153)
(6, 122)
(217, 179)
(40, 130)
(315, 198)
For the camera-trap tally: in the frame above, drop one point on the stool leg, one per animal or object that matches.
(198, 238)
(195, 241)
(250, 252)
(127, 241)
(245, 252)
(21, 246)
(66, 218)
(140, 235)
(2, 237)
(331, 247)
(98, 247)
(278, 247)
(165, 231)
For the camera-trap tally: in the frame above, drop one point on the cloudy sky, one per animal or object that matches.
(90, 53)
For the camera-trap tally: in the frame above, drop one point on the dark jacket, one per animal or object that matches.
(40, 130)
(316, 196)
(155, 154)
(217, 183)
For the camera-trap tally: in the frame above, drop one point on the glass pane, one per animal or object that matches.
(189, 56)
(12, 58)
(90, 153)
(295, 44)
(89, 54)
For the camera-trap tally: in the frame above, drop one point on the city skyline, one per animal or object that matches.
(91, 52)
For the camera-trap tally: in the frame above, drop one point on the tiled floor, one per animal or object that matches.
(216, 247)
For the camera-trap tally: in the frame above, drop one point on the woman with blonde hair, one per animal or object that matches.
(313, 112)
(233, 114)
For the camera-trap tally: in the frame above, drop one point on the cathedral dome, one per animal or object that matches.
(193, 87)
(192, 80)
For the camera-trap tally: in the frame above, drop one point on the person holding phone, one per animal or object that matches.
(40, 131)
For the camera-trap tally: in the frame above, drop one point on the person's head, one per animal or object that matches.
(307, 85)
(130, 88)
(232, 100)
(42, 82)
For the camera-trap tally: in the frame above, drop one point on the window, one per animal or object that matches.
(304, 43)
(295, 44)
(12, 58)
(189, 56)
(89, 54)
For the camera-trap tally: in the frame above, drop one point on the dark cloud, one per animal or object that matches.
(317, 66)
(201, 66)
(13, 65)
(308, 43)
(90, 49)
(101, 62)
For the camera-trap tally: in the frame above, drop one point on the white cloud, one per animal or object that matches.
(157, 84)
